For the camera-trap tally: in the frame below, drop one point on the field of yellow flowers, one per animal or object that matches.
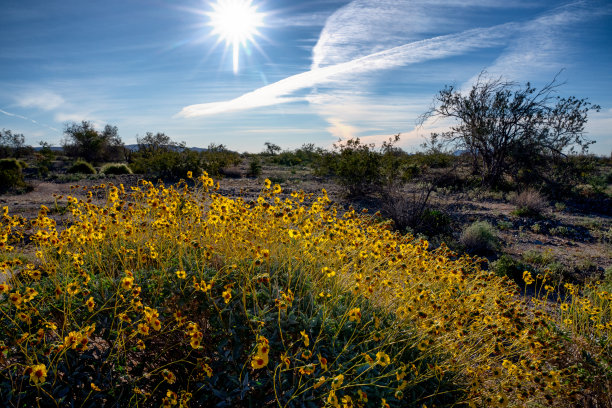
(178, 296)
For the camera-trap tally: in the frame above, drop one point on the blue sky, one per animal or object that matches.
(317, 71)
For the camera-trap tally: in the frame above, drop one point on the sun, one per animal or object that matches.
(236, 22)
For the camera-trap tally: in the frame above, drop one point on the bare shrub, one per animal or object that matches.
(529, 202)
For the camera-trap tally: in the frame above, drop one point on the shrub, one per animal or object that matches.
(11, 174)
(254, 167)
(529, 203)
(170, 165)
(505, 265)
(115, 168)
(81, 167)
(480, 236)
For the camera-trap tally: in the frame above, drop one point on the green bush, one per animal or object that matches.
(168, 164)
(507, 266)
(81, 167)
(480, 236)
(115, 168)
(254, 167)
(11, 174)
(360, 169)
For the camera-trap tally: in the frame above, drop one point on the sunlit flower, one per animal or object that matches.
(259, 361)
(127, 282)
(382, 358)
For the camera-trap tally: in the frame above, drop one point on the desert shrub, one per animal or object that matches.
(357, 167)
(116, 168)
(84, 141)
(505, 265)
(480, 236)
(217, 157)
(254, 167)
(81, 167)
(529, 203)
(362, 169)
(167, 164)
(287, 158)
(11, 174)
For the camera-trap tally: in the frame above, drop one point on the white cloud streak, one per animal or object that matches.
(28, 119)
(412, 53)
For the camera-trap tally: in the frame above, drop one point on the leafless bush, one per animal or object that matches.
(529, 202)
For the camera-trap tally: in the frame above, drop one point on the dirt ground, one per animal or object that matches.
(580, 243)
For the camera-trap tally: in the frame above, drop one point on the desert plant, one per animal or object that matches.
(81, 167)
(11, 174)
(505, 127)
(254, 167)
(83, 140)
(505, 265)
(480, 236)
(529, 203)
(115, 168)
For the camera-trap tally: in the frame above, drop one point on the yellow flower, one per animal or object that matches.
(227, 295)
(347, 402)
(207, 370)
(382, 358)
(363, 397)
(259, 361)
(127, 282)
(564, 307)
(285, 360)
(169, 376)
(143, 329)
(90, 304)
(355, 315)
(267, 183)
(332, 399)
(140, 344)
(181, 274)
(323, 362)
(38, 373)
(189, 174)
(319, 382)
(72, 288)
(337, 381)
(305, 338)
(95, 387)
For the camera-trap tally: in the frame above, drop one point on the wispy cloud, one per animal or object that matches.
(541, 48)
(45, 100)
(412, 53)
(28, 119)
